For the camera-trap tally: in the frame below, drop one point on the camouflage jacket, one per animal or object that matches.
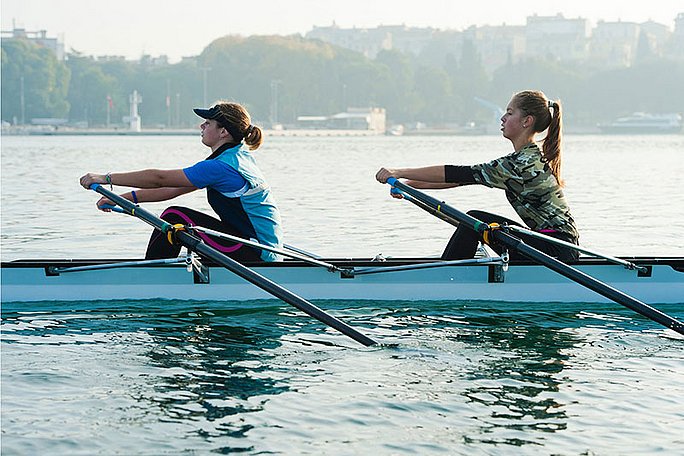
(531, 188)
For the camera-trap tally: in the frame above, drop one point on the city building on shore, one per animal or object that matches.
(39, 37)
(616, 44)
(372, 120)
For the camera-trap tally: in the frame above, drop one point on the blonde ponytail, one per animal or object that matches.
(552, 143)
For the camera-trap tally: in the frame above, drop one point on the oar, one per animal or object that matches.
(195, 244)
(519, 246)
(425, 207)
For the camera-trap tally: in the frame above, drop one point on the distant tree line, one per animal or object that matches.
(280, 78)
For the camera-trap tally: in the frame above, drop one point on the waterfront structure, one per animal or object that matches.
(364, 41)
(557, 37)
(614, 43)
(553, 37)
(497, 45)
(675, 44)
(39, 37)
(370, 41)
(645, 123)
(134, 120)
(370, 119)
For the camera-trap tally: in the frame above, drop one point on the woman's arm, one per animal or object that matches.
(428, 174)
(147, 178)
(149, 195)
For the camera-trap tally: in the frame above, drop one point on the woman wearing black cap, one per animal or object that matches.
(236, 188)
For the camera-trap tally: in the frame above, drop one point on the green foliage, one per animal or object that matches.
(469, 79)
(33, 73)
(89, 90)
(650, 87)
(397, 92)
(285, 77)
(557, 81)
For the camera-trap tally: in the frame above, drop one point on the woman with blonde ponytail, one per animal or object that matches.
(530, 176)
(236, 188)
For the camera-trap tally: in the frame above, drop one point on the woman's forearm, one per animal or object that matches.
(432, 174)
(150, 195)
(149, 178)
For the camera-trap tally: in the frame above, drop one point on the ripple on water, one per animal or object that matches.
(451, 377)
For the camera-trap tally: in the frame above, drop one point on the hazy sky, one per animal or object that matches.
(184, 27)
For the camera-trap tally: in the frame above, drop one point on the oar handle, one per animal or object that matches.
(396, 191)
(113, 208)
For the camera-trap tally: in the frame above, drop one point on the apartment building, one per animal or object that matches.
(613, 44)
(40, 38)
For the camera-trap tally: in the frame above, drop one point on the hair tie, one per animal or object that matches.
(551, 103)
(249, 130)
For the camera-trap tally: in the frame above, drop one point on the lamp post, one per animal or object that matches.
(168, 103)
(109, 108)
(22, 101)
(274, 102)
(178, 109)
(204, 85)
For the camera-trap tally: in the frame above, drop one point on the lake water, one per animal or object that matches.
(167, 377)
(625, 192)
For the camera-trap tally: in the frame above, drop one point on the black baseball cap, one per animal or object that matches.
(214, 113)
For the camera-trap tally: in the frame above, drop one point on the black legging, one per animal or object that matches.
(160, 247)
(463, 243)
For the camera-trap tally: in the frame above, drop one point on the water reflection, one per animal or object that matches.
(199, 365)
(212, 369)
(516, 357)
(453, 377)
(520, 383)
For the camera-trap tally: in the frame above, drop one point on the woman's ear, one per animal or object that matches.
(224, 133)
(528, 120)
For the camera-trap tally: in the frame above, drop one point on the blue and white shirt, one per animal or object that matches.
(239, 194)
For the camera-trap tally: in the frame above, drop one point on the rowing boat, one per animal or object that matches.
(206, 274)
(657, 280)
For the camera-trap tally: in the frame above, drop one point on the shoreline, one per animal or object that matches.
(20, 131)
(179, 132)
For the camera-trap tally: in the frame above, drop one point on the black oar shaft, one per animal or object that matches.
(588, 281)
(432, 211)
(195, 244)
(271, 287)
(516, 244)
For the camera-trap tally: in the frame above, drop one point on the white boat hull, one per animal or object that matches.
(31, 281)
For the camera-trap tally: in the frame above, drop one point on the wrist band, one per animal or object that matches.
(135, 197)
(108, 180)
